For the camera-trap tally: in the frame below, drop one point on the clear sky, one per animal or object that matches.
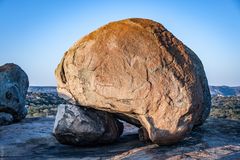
(35, 33)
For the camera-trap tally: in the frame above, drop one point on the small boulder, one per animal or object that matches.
(75, 125)
(13, 89)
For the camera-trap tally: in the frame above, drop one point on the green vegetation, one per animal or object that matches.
(45, 104)
(226, 107)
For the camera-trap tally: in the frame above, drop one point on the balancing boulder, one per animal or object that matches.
(138, 70)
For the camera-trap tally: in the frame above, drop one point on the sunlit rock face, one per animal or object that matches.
(13, 89)
(140, 71)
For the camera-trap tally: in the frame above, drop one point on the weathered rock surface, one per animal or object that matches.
(137, 68)
(81, 126)
(13, 89)
(215, 139)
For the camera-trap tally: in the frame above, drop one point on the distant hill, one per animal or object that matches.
(42, 89)
(214, 90)
(224, 91)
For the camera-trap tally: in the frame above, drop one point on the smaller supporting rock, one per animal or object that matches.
(75, 125)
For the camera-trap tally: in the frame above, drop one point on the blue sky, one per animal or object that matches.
(35, 33)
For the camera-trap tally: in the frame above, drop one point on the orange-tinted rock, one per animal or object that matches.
(137, 68)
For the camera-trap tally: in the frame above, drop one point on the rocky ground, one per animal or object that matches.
(32, 138)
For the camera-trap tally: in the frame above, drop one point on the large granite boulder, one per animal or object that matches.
(81, 126)
(140, 71)
(13, 89)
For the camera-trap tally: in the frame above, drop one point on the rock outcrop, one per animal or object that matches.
(215, 139)
(140, 71)
(13, 89)
(82, 126)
